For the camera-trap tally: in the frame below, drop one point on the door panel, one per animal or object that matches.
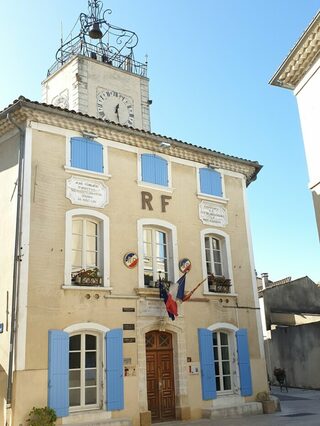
(160, 380)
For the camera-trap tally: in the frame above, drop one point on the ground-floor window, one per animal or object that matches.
(83, 372)
(85, 369)
(222, 361)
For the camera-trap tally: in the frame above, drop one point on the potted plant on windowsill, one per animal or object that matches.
(219, 284)
(87, 277)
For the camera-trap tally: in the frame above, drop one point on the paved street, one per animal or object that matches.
(298, 408)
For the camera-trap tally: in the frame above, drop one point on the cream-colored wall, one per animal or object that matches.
(309, 110)
(51, 307)
(9, 151)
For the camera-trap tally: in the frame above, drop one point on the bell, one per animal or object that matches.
(95, 31)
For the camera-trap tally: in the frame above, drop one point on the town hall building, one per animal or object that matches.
(96, 213)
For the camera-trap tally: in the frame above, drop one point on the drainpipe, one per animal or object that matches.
(17, 260)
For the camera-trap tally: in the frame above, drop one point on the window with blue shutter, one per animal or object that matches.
(210, 182)
(208, 380)
(244, 362)
(114, 370)
(86, 154)
(58, 372)
(154, 169)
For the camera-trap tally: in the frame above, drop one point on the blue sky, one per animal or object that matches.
(209, 66)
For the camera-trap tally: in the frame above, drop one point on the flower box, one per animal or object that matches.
(89, 277)
(219, 284)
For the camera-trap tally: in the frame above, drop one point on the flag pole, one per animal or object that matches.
(190, 293)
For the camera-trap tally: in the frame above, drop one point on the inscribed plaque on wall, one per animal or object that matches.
(212, 214)
(87, 192)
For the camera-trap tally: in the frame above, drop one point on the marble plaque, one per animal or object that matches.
(153, 308)
(87, 192)
(212, 214)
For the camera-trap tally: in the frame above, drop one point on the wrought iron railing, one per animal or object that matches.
(219, 284)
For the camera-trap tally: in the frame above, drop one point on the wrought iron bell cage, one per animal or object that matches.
(101, 41)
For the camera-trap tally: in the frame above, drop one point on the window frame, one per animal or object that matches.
(220, 361)
(100, 331)
(99, 370)
(165, 188)
(103, 256)
(78, 171)
(230, 330)
(172, 247)
(226, 258)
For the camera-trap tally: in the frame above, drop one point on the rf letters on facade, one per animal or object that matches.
(212, 214)
(87, 192)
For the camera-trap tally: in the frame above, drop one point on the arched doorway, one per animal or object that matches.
(160, 377)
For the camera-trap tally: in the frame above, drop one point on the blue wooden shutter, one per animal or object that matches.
(114, 370)
(154, 169)
(78, 153)
(86, 154)
(244, 362)
(94, 156)
(210, 182)
(208, 379)
(161, 171)
(58, 372)
(147, 172)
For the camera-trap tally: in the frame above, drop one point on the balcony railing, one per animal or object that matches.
(89, 277)
(219, 284)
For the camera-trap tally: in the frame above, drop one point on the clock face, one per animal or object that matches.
(115, 107)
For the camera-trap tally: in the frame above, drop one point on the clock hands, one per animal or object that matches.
(116, 110)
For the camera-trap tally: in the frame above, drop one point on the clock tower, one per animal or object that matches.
(95, 73)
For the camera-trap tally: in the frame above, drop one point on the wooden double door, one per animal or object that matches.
(160, 378)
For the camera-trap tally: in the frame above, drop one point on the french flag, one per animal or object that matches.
(176, 291)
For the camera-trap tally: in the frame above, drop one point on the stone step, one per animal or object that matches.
(247, 409)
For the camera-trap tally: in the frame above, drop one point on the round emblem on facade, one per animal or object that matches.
(185, 265)
(130, 259)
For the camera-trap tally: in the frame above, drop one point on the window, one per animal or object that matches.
(86, 154)
(210, 182)
(85, 244)
(154, 169)
(87, 248)
(216, 260)
(157, 249)
(155, 255)
(213, 256)
(222, 362)
(83, 373)
(85, 369)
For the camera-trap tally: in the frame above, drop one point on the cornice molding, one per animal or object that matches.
(301, 58)
(24, 112)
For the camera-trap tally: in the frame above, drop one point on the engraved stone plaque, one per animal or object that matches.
(212, 214)
(153, 308)
(87, 192)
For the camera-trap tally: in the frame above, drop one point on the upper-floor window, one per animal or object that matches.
(154, 169)
(157, 249)
(85, 243)
(86, 154)
(87, 248)
(216, 260)
(213, 256)
(155, 255)
(210, 182)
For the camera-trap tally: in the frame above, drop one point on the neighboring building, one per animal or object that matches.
(291, 328)
(95, 210)
(300, 72)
